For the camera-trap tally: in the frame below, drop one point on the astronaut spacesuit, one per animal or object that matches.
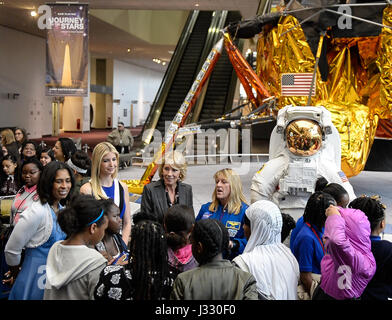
(304, 146)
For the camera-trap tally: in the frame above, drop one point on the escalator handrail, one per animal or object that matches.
(160, 98)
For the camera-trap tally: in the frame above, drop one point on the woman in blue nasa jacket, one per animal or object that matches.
(228, 206)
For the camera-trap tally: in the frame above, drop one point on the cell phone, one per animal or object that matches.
(122, 257)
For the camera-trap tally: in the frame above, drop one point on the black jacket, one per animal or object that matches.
(154, 201)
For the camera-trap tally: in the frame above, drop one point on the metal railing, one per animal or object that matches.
(205, 158)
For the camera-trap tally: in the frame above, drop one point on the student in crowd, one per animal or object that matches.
(228, 206)
(308, 245)
(288, 225)
(159, 196)
(46, 156)
(112, 246)
(104, 183)
(178, 222)
(339, 193)
(73, 267)
(349, 264)
(63, 149)
(36, 231)
(380, 286)
(8, 141)
(29, 149)
(31, 171)
(80, 163)
(215, 278)
(147, 275)
(10, 183)
(270, 261)
(20, 135)
(6, 150)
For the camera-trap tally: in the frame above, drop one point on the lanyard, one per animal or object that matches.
(318, 238)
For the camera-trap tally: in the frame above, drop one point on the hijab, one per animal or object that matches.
(270, 261)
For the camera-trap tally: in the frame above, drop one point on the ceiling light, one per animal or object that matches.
(33, 13)
(196, 5)
(128, 50)
(163, 63)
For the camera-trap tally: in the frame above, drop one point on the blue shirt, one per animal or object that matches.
(109, 191)
(233, 223)
(294, 232)
(308, 250)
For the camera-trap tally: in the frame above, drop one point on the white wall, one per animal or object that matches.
(22, 70)
(131, 83)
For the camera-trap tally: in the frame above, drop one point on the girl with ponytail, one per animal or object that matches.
(73, 266)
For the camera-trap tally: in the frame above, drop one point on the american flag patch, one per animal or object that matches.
(297, 84)
(342, 176)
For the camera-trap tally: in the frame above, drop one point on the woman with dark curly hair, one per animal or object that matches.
(36, 231)
(63, 149)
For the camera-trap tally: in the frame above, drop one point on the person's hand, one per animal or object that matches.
(122, 261)
(332, 210)
(10, 276)
(8, 279)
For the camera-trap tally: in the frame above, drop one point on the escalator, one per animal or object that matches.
(200, 34)
(220, 91)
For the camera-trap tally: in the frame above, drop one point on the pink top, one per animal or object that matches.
(23, 199)
(349, 264)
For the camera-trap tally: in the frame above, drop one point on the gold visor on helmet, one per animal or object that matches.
(303, 137)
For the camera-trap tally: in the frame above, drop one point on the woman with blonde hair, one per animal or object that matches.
(228, 206)
(169, 190)
(104, 183)
(8, 141)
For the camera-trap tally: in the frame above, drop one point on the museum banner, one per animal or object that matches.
(67, 50)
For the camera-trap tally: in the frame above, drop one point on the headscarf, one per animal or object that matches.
(267, 259)
(265, 224)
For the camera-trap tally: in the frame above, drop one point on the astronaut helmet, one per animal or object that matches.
(303, 137)
(302, 131)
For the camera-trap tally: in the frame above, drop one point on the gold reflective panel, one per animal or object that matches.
(303, 137)
(358, 91)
